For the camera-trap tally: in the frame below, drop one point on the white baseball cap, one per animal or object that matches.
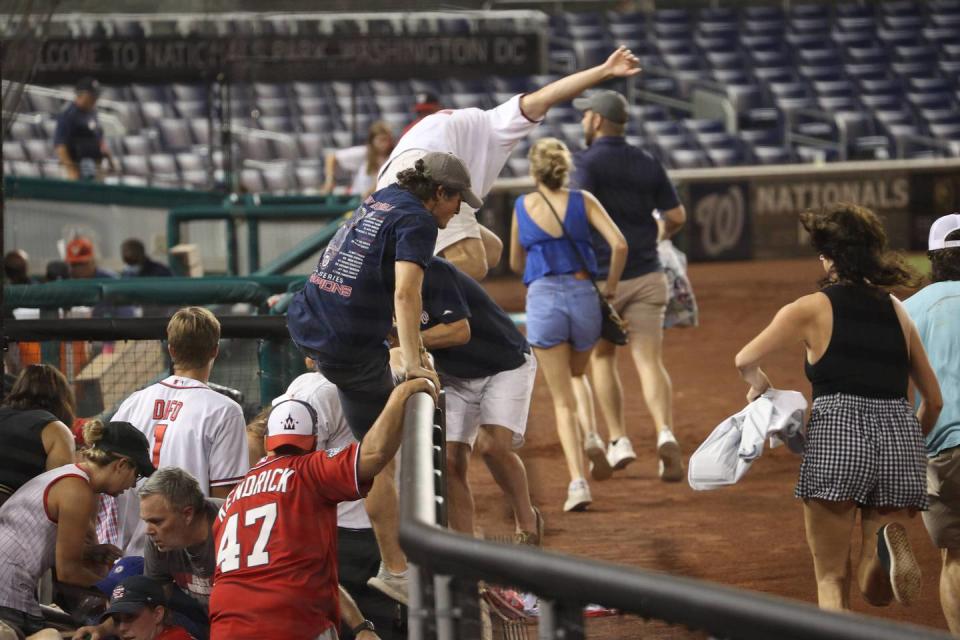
(292, 422)
(939, 231)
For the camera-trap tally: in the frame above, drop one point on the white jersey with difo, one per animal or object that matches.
(28, 539)
(333, 432)
(482, 139)
(188, 425)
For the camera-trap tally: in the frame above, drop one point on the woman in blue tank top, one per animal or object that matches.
(864, 447)
(550, 245)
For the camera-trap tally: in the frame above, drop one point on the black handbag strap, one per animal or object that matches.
(573, 245)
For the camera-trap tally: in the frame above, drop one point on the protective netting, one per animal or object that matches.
(24, 25)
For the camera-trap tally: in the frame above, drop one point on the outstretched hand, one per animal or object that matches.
(622, 63)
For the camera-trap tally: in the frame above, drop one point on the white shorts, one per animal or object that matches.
(462, 226)
(502, 400)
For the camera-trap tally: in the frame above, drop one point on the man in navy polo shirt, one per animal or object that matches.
(78, 138)
(488, 372)
(631, 184)
(371, 271)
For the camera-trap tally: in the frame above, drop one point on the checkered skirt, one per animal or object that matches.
(869, 450)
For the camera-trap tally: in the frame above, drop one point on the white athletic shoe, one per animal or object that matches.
(599, 467)
(620, 453)
(578, 496)
(671, 460)
(390, 584)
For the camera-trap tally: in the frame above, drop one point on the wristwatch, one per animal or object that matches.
(366, 625)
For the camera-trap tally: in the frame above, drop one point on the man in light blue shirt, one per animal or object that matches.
(935, 310)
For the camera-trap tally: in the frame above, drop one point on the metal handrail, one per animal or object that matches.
(569, 583)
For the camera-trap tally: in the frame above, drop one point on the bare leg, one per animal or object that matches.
(555, 364)
(383, 507)
(950, 589)
(495, 444)
(647, 351)
(828, 526)
(460, 512)
(608, 388)
(586, 414)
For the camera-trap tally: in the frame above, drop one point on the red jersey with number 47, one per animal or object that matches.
(276, 540)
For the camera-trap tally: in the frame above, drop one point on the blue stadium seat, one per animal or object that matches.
(311, 145)
(38, 150)
(135, 165)
(200, 129)
(282, 124)
(688, 158)
(163, 163)
(190, 109)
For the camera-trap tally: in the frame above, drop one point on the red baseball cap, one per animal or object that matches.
(79, 250)
(292, 422)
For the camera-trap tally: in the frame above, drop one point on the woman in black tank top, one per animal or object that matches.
(864, 448)
(34, 427)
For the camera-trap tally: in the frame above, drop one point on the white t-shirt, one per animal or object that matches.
(482, 139)
(332, 432)
(188, 425)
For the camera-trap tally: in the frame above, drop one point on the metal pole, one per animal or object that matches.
(416, 609)
(443, 608)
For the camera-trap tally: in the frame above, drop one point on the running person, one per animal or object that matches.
(487, 371)
(188, 424)
(550, 245)
(484, 140)
(264, 569)
(864, 450)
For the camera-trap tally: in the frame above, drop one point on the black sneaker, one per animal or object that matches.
(897, 559)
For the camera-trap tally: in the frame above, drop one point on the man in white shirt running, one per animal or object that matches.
(188, 424)
(484, 141)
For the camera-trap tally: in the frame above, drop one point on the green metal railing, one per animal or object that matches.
(252, 211)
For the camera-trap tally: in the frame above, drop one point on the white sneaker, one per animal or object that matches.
(390, 584)
(671, 460)
(620, 453)
(599, 467)
(578, 496)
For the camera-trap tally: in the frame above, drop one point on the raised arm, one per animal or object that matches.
(621, 64)
(380, 444)
(601, 221)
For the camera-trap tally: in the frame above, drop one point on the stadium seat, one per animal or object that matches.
(688, 158)
(252, 180)
(174, 134)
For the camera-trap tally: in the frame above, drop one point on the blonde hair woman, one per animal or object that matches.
(49, 520)
(550, 245)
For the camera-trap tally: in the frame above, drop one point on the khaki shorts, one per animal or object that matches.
(943, 489)
(641, 302)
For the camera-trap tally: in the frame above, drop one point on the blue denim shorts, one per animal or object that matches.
(562, 309)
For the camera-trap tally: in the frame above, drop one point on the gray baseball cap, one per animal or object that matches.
(609, 104)
(449, 170)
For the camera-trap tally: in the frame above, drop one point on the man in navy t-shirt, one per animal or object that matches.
(487, 371)
(631, 184)
(370, 272)
(78, 138)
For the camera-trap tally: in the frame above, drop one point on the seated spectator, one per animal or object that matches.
(16, 267)
(139, 264)
(82, 261)
(57, 270)
(379, 145)
(78, 139)
(34, 430)
(49, 519)
(179, 551)
(138, 608)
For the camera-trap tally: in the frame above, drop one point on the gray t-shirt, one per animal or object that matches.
(190, 568)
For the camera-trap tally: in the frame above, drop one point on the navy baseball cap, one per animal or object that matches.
(122, 569)
(133, 594)
(88, 85)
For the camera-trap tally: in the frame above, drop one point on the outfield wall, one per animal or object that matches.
(741, 213)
